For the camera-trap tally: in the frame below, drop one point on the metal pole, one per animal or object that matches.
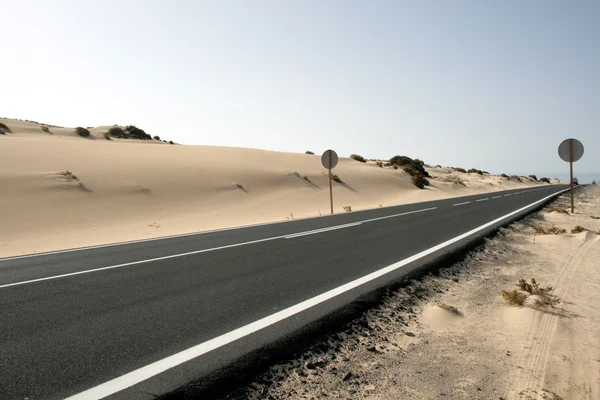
(571, 169)
(330, 186)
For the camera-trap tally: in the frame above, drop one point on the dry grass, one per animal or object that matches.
(514, 297)
(69, 175)
(347, 208)
(453, 179)
(593, 217)
(553, 230)
(559, 210)
(541, 294)
(452, 309)
(578, 229)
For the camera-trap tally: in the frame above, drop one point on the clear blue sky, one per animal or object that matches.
(489, 84)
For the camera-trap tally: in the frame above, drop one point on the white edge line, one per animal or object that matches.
(134, 377)
(100, 246)
(49, 278)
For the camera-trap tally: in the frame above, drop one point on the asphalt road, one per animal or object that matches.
(185, 306)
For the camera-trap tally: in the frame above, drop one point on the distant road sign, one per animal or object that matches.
(329, 159)
(563, 150)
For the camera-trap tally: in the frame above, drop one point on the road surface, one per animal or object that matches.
(133, 320)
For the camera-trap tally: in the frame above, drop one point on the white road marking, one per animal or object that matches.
(482, 199)
(496, 197)
(134, 377)
(506, 195)
(460, 204)
(316, 231)
(49, 278)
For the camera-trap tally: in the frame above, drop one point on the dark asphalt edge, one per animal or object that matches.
(225, 229)
(246, 368)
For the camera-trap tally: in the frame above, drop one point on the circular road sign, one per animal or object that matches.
(563, 150)
(329, 159)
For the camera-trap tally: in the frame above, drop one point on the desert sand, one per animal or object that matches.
(452, 335)
(130, 189)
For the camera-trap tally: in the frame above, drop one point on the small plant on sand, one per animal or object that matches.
(533, 177)
(45, 129)
(553, 230)
(452, 309)
(358, 158)
(81, 131)
(347, 208)
(558, 210)
(532, 287)
(539, 294)
(307, 179)
(4, 129)
(156, 137)
(464, 171)
(69, 175)
(514, 297)
(593, 217)
(336, 179)
(107, 136)
(379, 164)
(578, 229)
(504, 176)
(475, 171)
(309, 152)
(171, 142)
(545, 180)
(454, 179)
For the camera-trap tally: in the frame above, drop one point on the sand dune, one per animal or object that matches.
(129, 189)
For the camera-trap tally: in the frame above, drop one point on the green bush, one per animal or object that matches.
(533, 177)
(45, 129)
(420, 181)
(504, 176)
(117, 132)
(81, 131)
(545, 180)
(464, 171)
(156, 137)
(403, 161)
(309, 152)
(475, 171)
(4, 129)
(137, 133)
(107, 136)
(358, 158)
(171, 142)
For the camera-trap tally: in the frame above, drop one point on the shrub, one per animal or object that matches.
(45, 129)
(171, 142)
(107, 136)
(358, 158)
(546, 180)
(578, 229)
(504, 176)
(403, 161)
(81, 131)
(549, 231)
(156, 137)
(307, 179)
(336, 178)
(4, 128)
(379, 164)
(347, 208)
(137, 133)
(460, 170)
(452, 309)
(533, 177)
(420, 181)
(514, 297)
(117, 132)
(475, 171)
(515, 177)
(309, 152)
(533, 287)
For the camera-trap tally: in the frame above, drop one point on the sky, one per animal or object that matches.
(493, 85)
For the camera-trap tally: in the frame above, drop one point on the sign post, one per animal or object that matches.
(329, 159)
(571, 150)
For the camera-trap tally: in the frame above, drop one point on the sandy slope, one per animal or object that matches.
(141, 189)
(413, 348)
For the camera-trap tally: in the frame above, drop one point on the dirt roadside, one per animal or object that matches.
(452, 335)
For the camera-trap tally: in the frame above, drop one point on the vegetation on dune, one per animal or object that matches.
(81, 131)
(475, 171)
(309, 152)
(541, 295)
(546, 180)
(358, 158)
(464, 171)
(533, 177)
(4, 129)
(336, 178)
